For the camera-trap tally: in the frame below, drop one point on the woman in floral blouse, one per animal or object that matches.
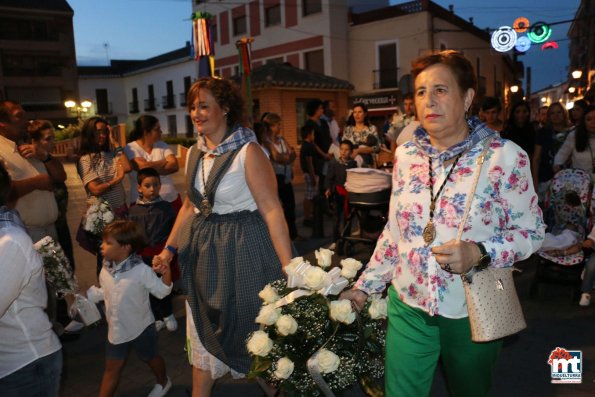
(362, 134)
(417, 253)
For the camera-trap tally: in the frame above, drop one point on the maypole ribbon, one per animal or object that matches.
(243, 46)
(202, 43)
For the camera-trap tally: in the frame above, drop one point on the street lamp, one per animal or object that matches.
(514, 89)
(577, 74)
(571, 89)
(80, 109)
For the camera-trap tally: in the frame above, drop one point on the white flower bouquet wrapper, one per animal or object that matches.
(313, 343)
(99, 214)
(56, 266)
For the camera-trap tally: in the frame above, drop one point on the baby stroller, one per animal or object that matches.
(566, 213)
(368, 197)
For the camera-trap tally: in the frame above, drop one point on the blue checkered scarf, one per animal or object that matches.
(235, 138)
(479, 132)
(127, 264)
(10, 217)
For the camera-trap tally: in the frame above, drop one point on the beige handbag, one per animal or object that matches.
(492, 302)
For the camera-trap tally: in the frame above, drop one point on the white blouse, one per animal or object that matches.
(233, 194)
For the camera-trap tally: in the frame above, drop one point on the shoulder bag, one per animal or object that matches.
(492, 301)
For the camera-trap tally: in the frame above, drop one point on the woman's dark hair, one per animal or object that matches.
(491, 102)
(522, 135)
(312, 106)
(227, 95)
(455, 61)
(35, 128)
(351, 119)
(581, 103)
(126, 232)
(142, 125)
(89, 143)
(581, 137)
(5, 184)
(262, 131)
(511, 120)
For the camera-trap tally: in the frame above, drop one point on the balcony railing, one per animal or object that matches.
(149, 104)
(183, 99)
(133, 107)
(386, 78)
(168, 101)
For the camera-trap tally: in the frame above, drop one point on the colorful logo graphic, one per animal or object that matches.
(566, 365)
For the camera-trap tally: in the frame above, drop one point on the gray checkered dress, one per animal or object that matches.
(226, 259)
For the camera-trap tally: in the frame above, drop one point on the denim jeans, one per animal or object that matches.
(41, 378)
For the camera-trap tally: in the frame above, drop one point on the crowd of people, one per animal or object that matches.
(232, 232)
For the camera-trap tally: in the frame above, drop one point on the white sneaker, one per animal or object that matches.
(170, 323)
(160, 391)
(159, 325)
(585, 299)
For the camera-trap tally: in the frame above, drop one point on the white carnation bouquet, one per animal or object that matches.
(56, 265)
(311, 342)
(99, 214)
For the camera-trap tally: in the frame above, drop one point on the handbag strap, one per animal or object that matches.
(480, 161)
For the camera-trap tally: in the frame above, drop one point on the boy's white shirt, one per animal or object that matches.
(126, 295)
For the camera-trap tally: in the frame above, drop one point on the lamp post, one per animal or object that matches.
(79, 108)
(577, 74)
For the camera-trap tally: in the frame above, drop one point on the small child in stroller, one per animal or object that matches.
(335, 184)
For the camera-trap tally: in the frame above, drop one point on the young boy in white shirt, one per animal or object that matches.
(126, 284)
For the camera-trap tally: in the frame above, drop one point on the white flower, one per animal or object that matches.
(350, 267)
(259, 344)
(314, 278)
(328, 361)
(286, 325)
(268, 294)
(294, 263)
(284, 368)
(323, 256)
(378, 308)
(268, 315)
(341, 311)
(108, 217)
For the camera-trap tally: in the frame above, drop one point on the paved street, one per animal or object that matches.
(522, 370)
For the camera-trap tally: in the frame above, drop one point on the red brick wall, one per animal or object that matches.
(254, 18)
(224, 27)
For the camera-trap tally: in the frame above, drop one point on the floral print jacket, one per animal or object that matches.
(504, 216)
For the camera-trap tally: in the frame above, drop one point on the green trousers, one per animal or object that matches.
(414, 343)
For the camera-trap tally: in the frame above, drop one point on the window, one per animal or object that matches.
(15, 64)
(189, 127)
(239, 25)
(172, 125)
(272, 15)
(214, 32)
(168, 100)
(133, 106)
(150, 103)
(311, 7)
(314, 61)
(101, 100)
(184, 95)
(387, 74)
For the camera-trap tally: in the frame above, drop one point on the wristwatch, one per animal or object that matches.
(484, 259)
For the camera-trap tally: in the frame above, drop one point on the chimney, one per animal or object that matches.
(471, 20)
(451, 8)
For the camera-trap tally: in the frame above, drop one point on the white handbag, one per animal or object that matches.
(492, 301)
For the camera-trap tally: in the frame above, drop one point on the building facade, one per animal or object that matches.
(582, 50)
(37, 56)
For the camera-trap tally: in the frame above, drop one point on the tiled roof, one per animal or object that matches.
(53, 5)
(285, 75)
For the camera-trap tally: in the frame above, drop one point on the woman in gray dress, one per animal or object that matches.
(231, 233)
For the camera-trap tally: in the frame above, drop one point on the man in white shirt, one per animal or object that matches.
(30, 352)
(31, 172)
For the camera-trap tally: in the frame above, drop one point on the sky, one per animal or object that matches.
(140, 29)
